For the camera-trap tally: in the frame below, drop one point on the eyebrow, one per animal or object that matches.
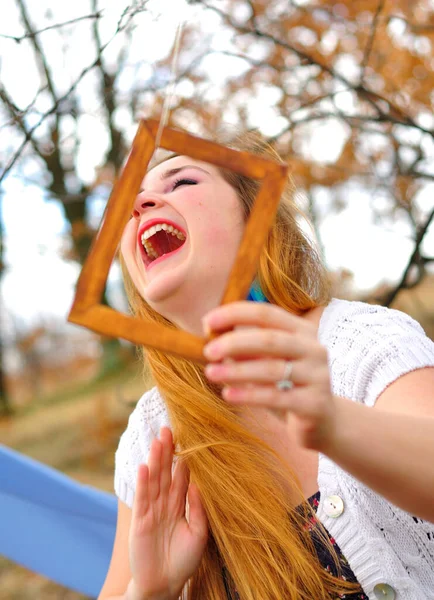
(171, 172)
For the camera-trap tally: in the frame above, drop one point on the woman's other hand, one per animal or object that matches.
(250, 360)
(173, 546)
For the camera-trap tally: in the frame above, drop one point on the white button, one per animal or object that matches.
(333, 506)
(383, 591)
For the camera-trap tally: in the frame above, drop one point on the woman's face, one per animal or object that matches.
(182, 239)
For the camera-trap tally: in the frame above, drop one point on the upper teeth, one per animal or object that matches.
(162, 226)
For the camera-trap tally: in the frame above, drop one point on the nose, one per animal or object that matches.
(143, 201)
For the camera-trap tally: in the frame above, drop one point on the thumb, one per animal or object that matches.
(197, 519)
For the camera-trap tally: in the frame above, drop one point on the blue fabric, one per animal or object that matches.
(53, 525)
(256, 294)
(56, 526)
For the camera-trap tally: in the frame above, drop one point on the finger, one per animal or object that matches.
(267, 396)
(141, 501)
(259, 395)
(302, 401)
(166, 440)
(197, 518)
(154, 465)
(180, 483)
(260, 371)
(264, 371)
(259, 314)
(263, 342)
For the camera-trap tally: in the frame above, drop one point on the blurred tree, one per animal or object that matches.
(5, 407)
(350, 102)
(54, 139)
(343, 88)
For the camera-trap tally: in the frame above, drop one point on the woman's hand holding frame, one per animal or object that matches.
(249, 362)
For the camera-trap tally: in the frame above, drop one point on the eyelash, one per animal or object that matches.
(183, 181)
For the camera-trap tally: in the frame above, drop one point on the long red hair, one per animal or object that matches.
(257, 534)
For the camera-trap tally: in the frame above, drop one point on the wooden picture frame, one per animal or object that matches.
(87, 309)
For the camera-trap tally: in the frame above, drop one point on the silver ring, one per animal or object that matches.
(285, 384)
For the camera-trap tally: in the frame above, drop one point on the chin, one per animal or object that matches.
(177, 299)
(164, 289)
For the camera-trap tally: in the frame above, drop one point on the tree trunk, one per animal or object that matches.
(75, 213)
(5, 406)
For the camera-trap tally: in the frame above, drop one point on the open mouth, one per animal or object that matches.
(160, 240)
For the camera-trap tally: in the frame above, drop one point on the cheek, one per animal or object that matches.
(221, 224)
(220, 234)
(128, 245)
(128, 236)
(221, 243)
(215, 235)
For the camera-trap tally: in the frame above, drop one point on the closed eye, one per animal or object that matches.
(183, 181)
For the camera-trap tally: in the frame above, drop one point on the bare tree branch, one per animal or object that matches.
(53, 159)
(108, 81)
(394, 114)
(128, 14)
(370, 43)
(17, 117)
(20, 38)
(415, 260)
(40, 56)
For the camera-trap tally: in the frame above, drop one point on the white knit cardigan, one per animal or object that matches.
(369, 347)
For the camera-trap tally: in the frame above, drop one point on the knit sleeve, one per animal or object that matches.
(370, 347)
(149, 415)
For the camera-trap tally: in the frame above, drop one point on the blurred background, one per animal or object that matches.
(345, 90)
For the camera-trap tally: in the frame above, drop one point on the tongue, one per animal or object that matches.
(164, 243)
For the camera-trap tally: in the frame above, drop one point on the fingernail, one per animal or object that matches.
(206, 327)
(214, 371)
(212, 350)
(210, 319)
(232, 394)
